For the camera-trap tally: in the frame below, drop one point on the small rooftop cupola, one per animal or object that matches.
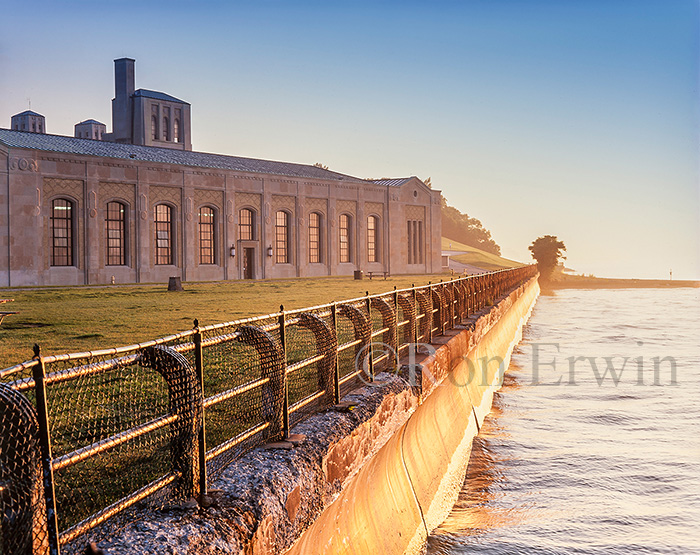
(145, 117)
(28, 121)
(90, 129)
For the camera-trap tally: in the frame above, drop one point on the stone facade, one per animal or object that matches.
(41, 175)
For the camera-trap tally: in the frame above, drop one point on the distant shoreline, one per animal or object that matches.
(581, 282)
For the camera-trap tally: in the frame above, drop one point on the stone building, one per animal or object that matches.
(145, 207)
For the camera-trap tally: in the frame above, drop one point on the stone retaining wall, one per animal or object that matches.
(373, 475)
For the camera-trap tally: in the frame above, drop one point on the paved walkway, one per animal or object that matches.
(460, 268)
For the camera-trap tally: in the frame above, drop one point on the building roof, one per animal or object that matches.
(158, 96)
(28, 113)
(392, 182)
(90, 122)
(88, 147)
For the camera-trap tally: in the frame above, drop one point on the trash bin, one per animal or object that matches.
(358, 274)
(175, 284)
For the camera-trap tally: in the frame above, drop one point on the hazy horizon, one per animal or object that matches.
(572, 118)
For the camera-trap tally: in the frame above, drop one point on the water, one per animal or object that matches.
(577, 464)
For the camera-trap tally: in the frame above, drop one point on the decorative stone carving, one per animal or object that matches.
(248, 199)
(37, 208)
(24, 164)
(415, 212)
(316, 204)
(165, 194)
(283, 201)
(374, 208)
(209, 197)
(143, 200)
(123, 191)
(349, 206)
(70, 187)
(92, 204)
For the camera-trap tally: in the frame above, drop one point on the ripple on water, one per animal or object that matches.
(594, 468)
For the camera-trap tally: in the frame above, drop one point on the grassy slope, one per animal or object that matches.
(477, 257)
(76, 319)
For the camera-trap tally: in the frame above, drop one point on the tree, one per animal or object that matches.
(547, 250)
(467, 230)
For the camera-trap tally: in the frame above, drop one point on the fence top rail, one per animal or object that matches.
(243, 321)
(112, 351)
(29, 364)
(117, 350)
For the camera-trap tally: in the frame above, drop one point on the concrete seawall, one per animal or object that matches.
(409, 486)
(374, 475)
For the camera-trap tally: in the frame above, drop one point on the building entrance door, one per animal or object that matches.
(248, 263)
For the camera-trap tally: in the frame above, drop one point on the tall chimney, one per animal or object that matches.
(122, 105)
(123, 77)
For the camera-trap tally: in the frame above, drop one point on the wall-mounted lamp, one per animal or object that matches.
(269, 251)
(232, 251)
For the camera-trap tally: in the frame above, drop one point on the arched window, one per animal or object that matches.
(116, 233)
(207, 227)
(164, 234)
(246, 224)
(315, 244)
(282, 237)
(176, 130)
(345, 235)
(62, 232)
(154, 127)
(166, 129)
(372, 239)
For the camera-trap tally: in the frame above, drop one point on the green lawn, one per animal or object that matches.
(76, 319)
(477, 257)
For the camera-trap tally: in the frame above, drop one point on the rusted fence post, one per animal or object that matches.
(202, 440)
(42, 413)
(285, 385)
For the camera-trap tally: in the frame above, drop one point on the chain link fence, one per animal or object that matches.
(90, 437)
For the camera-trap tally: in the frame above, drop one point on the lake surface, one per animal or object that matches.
(568, 461)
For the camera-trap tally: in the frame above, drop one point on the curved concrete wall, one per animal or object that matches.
(408, 488)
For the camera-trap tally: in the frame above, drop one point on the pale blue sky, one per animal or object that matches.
(572, 118)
